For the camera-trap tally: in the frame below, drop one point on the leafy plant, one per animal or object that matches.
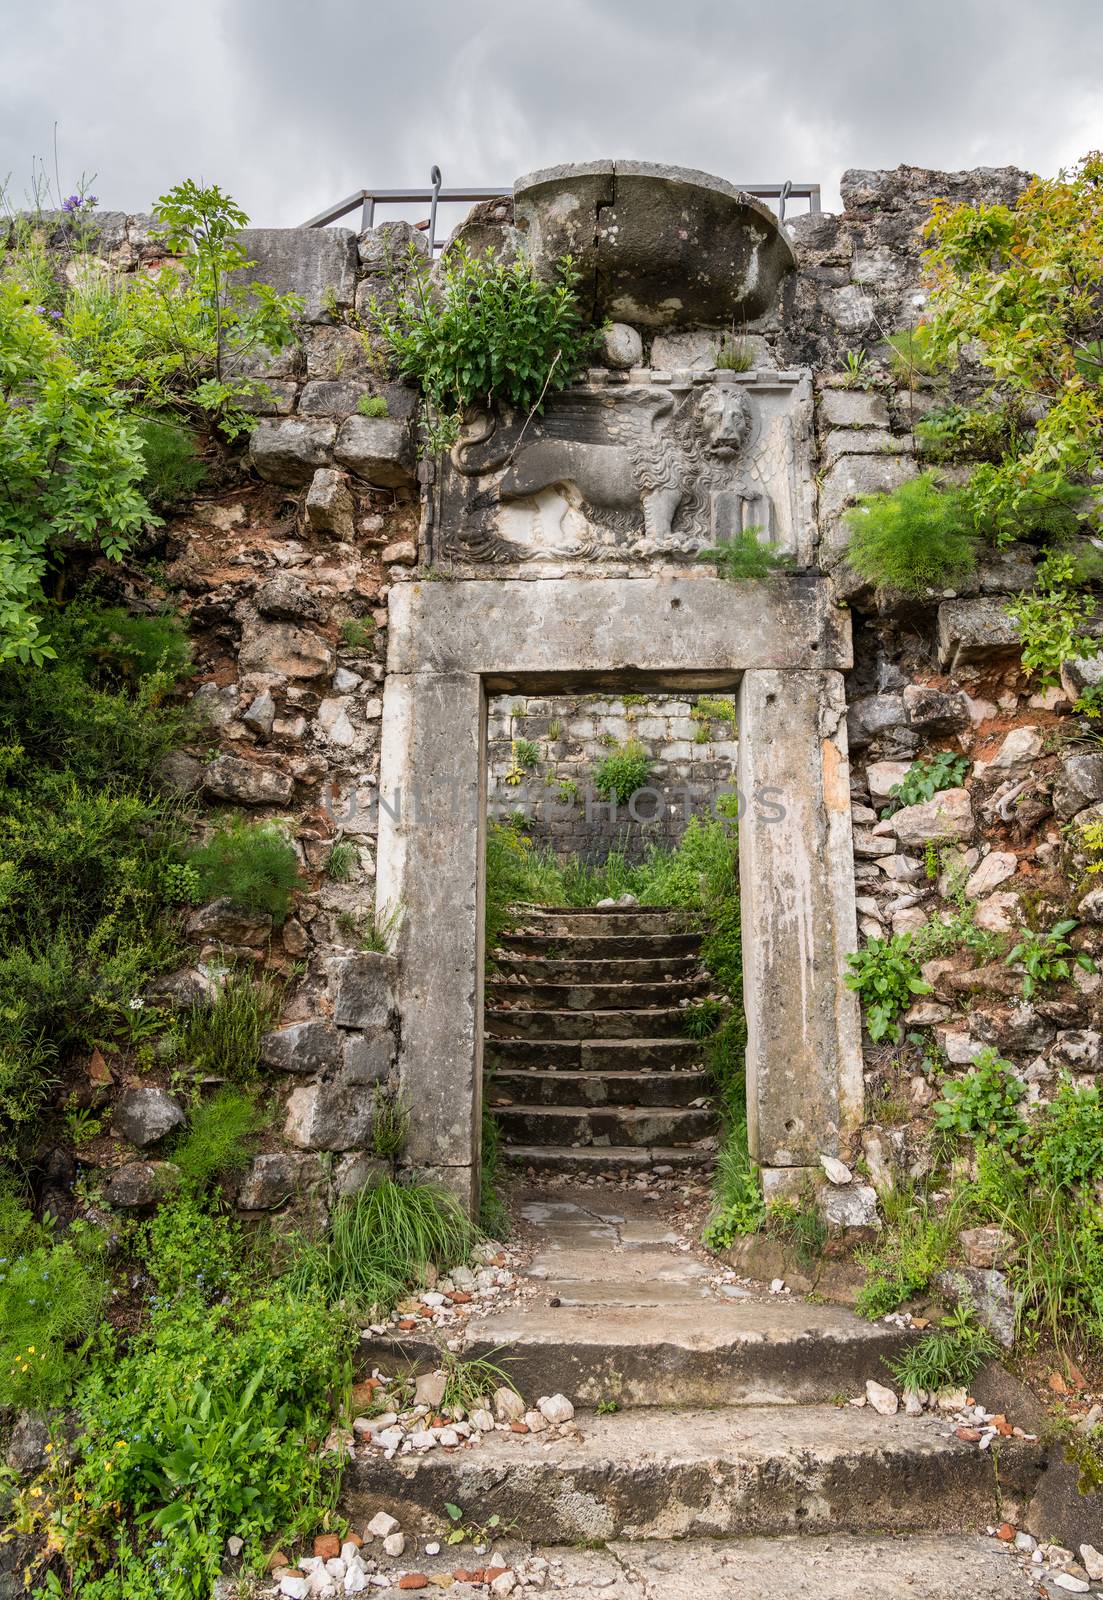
(372, 405)
(734, 356)
(1051, 618)
(710, 709)
(968, 433)
(390, 1126)
(886, 976)
(800, 1226)
(856, 373)
(737, 1204)
(223, 1038)
(51, 1295)
(913, 1247)
(948, 1357)
(358, 633)
(914, 539)
(984, 1104)
(744, 557)
(925, 778)
(623, 772)
(343, 859)
(380, 1241)
(1016, 286)
(486, 332)
(1043, 957)
(251, 864)
(524, 756)
(174, 468)
(219, 1138)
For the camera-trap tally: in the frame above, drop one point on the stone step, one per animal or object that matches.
(615, 947)
(518, 1022)
(667, 1475)
(635, 1347)
(550, 1088)
(608, 1158)
(563, 921)
(591, 1055)
(615, 1125)
(631, 969)
(597, 996)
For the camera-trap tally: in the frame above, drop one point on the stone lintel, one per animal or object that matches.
(804, 1059)
(569, 628)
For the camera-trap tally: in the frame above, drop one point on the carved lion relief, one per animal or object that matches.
(631, 473)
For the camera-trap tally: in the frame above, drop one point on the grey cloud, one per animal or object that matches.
(290, 106)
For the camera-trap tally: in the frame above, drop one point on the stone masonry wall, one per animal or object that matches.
(284, 580)
(690, 740)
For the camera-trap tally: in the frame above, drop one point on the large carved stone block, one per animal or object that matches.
(628, 476)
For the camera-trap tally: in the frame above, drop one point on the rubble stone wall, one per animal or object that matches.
(690, 740)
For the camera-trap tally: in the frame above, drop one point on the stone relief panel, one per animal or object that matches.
(630, 472)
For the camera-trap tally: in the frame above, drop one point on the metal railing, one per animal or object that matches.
(368, 199)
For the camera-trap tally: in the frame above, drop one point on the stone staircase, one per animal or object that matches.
(713, 1452)
(588, 1064)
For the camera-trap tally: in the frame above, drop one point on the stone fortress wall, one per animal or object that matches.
(288, 587)
(689, 739)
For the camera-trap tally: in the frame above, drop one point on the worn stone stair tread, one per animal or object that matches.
(761, 1350)
(711, 1473)
(536, 1086)
(589, 969)
(592, 1055)
(836, 1567)
(649, 919)
(594, 996)
(605, 1158)
(617, 1023)
(603, 947)
(627, 1125)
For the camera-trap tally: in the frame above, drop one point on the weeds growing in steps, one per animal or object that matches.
(380, 1241)
(948, 1357)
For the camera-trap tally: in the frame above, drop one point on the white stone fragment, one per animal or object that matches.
(294, 1588)
(837, 1171)
(382, 1525)
(1092, 1562)
(556, 1408)
(508, 1405)
(883, 1400)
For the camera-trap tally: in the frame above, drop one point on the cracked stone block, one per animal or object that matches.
(329, 1116)
(971, 631)
(329, 504)
(363, 989)
(318, 264)
(306, 1047)
(378, 450)
(231, 778)
(281, 647)
(289, 450)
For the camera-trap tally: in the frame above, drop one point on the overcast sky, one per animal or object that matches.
(291, 104)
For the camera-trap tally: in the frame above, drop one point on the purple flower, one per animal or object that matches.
(77, 202)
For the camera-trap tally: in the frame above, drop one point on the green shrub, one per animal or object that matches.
(1052, 620)
(966, 433)
(358, 633)
(51, 1297)
(737, 1203)
(252, 864)
(390, 1127)
(1043, 957)
(223, 1038)
(372, 405)
(914, 539)
(949, 1357)
(913, 1247)
(734, 356)
(486, 333)
(623, 772)
(174, 469)
(381, 1241)
(219, 1137)
(211, 1423)
(1065, 1144)
(984, 1104)
(886, 976)
(343, 859)
(925, 778)
(744, 557)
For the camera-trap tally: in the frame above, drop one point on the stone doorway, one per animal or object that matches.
(782, 646)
